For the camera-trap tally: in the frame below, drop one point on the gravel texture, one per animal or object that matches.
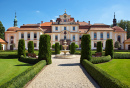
(63, 73)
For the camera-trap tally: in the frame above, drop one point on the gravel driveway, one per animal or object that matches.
(63, 73)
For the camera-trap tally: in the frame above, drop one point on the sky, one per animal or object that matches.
(35, 11)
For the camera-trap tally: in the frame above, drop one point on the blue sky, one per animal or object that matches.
(35, 11)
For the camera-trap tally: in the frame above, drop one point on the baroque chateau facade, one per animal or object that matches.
(67, 28)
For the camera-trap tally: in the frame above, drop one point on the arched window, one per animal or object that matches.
(95, 35)
(119, 38)
(101, 35)
(73, 37)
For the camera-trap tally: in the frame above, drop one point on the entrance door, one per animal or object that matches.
(128, 47)
(11, 47)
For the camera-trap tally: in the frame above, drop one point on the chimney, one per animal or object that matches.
(23, 24)
(88, 22)
(51, 20)
(41, 22)
(77, 20)
(83, 21)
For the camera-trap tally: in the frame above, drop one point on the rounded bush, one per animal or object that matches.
(99, 46)
(44, 48)
(76, 46)
(85, 48)
(21, 48)
(30, 47)
(57, 48)
(72, 48)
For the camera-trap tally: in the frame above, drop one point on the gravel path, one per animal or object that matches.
(63, 73)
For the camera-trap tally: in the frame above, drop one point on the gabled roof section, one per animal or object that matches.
(2, 41)
(46, 24)
(83, 23)
(128, 40)
(30, 29)
(118, 29)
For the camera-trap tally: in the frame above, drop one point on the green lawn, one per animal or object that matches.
(10, 67)
(118, 68)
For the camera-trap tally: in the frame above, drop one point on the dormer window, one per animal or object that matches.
(56, 28)
(64, 28)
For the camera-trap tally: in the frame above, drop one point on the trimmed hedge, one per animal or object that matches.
(99, 46)
(57, 48)
(44, 48)
(101, 77)
(72, 48)
(28, 60)
(20, 80)
(109, 48)
(96, 60)
(61, 47)
(21, 48)
(7, 56)
(30, 47)
(53, 46)
(121, 56)
(85, 48)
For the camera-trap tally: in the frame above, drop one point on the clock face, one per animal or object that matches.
(65, 16)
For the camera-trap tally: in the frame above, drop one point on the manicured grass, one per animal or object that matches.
(10, 68)
(118, 68)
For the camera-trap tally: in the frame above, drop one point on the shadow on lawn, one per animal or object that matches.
(84, 71)
(23, 65)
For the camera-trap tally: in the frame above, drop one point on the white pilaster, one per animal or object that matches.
(71, 28)
(67, 28)
(26, 44)
(25, 35)
(92, 36)
(58, 37)
(37, 44)
(76, 28)
(38, 36)
(58, 28)
(115, 37)
(98, 35)
(110, 35)
(32, 36)
(19, 35)
(104, 35)
(71, 37)
(53, 37)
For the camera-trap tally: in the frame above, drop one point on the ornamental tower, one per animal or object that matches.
(15, 20)
(114, 20)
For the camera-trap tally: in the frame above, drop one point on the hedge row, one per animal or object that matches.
(101, 77)
(121, 56)
(96, 60)
(20, 80)
(28, 60)
(11, 56)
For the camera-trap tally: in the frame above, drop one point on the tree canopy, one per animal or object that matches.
(2, 30)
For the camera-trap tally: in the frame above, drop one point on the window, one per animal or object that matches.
(35, 35)
(119, 38)
(95, 44)
(73, 37)
(64, 37)
(12, 42)
(73, 28)
(64, 28)
(22, 35)
(101, 35)
(95, 35)
(56, 37)
(28, 35)
(64, 20)
(35, 45)
(80, 37)
(12, 37)
(56, 28)
(108, 36)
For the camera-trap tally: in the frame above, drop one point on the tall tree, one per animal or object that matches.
(125, 25)
(2, 30)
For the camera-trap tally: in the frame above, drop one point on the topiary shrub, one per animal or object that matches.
(44, 48)
(85, 48)
(72, 48)
(0, 46)
(21, 48)
(30, 47)
(99, 46)
(57, 48)
(69, 47)
(117, 44)
(76, 46)
(53, 46)
(60, 47)
(109, 48)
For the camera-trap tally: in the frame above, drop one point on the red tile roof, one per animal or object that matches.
(46, 24)
(101, 29)
(83, 23)
(118, 29)
(128, 40)
(30, 29)
(12, 29)
(2, 41)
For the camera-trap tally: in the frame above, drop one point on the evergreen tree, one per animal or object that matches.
(72, 48)
(0, 46)
(99, 46)
(30, 47)
(57, 48)
(21, 48)
(2, 30)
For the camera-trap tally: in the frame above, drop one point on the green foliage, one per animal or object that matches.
(60, 47)
(96, 60)
(72, 48)
(125, 25)
(109, 48)
(20, 80)
(99, 46)
(85, 48)
(117, 44)
(57, 48)
(101, 77)
(121, 56)
(2, 30)
(21, 48)
(28, 60)
(44, 48)
(53, 46)
(69, 47)
(30, 47)
(0, 46)
(76, 46)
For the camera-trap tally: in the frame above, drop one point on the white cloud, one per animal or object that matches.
(56, 16)
(37, 11)
(53, 20)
